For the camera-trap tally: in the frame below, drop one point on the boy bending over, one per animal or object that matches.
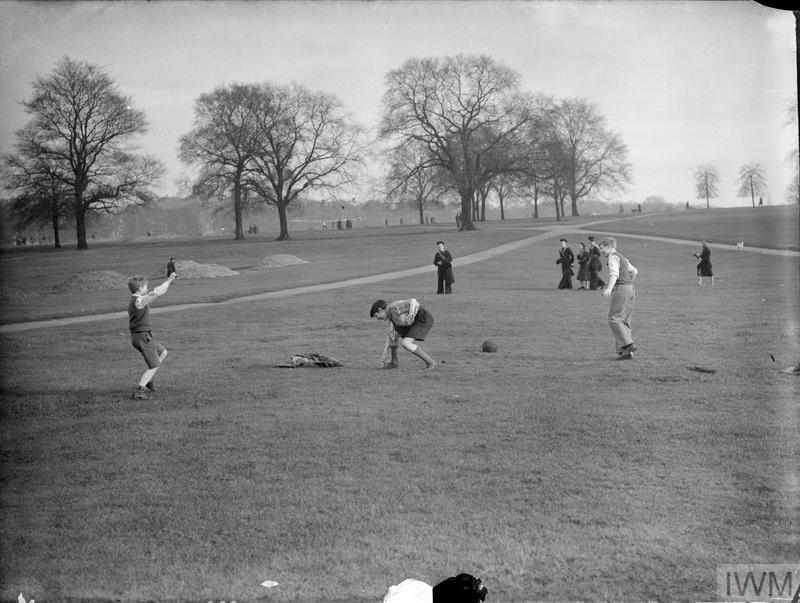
(408, 322)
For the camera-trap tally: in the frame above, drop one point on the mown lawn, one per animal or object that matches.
(548, 469)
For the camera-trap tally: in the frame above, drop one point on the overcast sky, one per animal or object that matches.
(683, 83)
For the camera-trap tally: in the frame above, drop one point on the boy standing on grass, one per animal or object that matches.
(621, 274)
(443, 261)
(408, 321)
(141, 334)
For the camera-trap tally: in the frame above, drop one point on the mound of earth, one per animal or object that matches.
(190, 269)
(279, 259)
(93, 281)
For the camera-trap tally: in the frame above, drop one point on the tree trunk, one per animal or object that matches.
(466, 211)
(536, 205)
(284, 223)
(80, 223)
(555, 201)
(421, 214)
(56, 237)
(574, 206)
(502, 213)
(237, 210)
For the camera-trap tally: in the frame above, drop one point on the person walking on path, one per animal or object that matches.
(595, 266)
(141, 331)
(565, 258)
(443, 261)
(408, 322)
(583, 269)
(704, 267)
(620, 290)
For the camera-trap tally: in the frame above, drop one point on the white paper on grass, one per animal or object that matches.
(269, 584)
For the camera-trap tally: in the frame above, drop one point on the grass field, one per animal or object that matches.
(550, 470)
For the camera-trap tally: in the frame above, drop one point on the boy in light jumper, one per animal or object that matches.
(621, 274)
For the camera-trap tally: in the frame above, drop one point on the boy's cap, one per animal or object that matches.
(591, 238)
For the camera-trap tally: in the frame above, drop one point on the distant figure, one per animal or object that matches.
(687, 205)
(566, 259)
(760, 201)
(740, 246)
(348, 224)
(640, 208)
(338, 225)
(324, 226)
(386, 222)
(444, 269)
(595, 266)
(171, 266)
(458, 220)
(583, 267)
(704, 267)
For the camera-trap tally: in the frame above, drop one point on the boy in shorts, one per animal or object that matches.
(141, 334)
(408, 322)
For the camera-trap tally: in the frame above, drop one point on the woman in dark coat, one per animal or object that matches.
(583, 266)
(595, 266)
(704, 267)
(565, 259)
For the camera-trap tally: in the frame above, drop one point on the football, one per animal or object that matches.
(489, 346)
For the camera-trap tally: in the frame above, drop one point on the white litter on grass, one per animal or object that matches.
(279, 259)
(269, 584)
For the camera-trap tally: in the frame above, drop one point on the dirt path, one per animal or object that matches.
(553, 230)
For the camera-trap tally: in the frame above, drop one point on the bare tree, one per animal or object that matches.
(705, 182)
(303, 141)
(595, 158)
(417, 187)
(83, 122)
(468, 112)
(505, 186)
(221, 145)
(752, 181)
(545, 169)
(39, 193)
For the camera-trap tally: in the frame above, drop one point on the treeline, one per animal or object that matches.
(455, 130)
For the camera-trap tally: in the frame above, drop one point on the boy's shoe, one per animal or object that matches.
(150, 386)
(626, 355)
(140, 394)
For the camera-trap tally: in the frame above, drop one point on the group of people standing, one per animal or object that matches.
(589, 266)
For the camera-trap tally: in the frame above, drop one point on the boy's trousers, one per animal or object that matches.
(620, 314)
